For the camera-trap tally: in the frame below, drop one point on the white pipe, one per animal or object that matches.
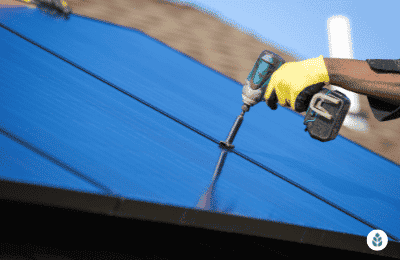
(340, 46)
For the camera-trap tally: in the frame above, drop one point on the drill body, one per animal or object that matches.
(324, 117)
(254, 89)
(259, 77)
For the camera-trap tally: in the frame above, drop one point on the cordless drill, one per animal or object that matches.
(254, 88)
(325, 114)
(323, 119)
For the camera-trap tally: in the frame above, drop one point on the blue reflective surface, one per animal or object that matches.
(20, 164)
(132, 150)
(244, 189)
(125, 146)
(348, 175)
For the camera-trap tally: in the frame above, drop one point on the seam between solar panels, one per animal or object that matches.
(54, 160)
(195, 130)
(313, 194)
(191, 58)
(110, 84)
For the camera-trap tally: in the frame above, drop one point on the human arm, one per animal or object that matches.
(357, 76)
(379, 80)
(295, 83)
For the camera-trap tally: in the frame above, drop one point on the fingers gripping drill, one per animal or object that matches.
(254, 88)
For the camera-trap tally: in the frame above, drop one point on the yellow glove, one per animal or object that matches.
(294, 83)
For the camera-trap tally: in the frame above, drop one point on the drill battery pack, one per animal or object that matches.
(326, 114)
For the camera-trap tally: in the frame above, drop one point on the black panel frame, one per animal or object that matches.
(93, 224)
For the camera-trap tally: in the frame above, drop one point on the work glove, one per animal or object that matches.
(294, 84)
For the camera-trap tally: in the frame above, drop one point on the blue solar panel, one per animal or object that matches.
(20, 164)
(133, 150)
(244, 189)
(126, 147)
(106, 133)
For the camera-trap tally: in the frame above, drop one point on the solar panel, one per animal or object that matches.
(141, 121)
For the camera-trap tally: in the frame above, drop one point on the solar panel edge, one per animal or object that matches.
(197, 218)
(57, 197)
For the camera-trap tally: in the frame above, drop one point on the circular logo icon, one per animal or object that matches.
(377, 240)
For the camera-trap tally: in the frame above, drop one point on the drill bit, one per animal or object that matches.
(206, 200)
(252, 92)
(227, 144)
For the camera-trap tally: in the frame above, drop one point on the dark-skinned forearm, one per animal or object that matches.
(357, 76)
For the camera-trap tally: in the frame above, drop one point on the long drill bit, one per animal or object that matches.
(205, 201)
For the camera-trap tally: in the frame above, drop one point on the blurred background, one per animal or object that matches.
(229, 35)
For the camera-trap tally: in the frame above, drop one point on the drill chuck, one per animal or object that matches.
(245, 108)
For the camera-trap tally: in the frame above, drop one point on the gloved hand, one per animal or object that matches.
(294, 83)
